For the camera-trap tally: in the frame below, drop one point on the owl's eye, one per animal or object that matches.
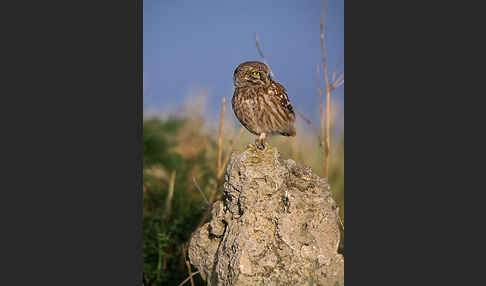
(255, 73)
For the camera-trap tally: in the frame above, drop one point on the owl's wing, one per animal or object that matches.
(282, 97)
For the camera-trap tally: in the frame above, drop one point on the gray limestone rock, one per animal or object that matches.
(277, 225)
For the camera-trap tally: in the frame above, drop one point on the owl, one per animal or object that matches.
(261, 104)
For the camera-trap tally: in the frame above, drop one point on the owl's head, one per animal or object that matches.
(251, 74)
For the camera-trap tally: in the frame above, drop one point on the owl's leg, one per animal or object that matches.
(261, 141)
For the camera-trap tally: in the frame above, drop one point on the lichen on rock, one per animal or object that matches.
(276, 225)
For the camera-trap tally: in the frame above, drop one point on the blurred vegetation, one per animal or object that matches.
(183, 146)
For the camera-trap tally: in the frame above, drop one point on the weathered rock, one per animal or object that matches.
(277, 225)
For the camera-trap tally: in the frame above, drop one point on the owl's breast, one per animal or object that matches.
(245, 108)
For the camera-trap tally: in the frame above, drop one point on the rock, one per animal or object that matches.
(277, 225)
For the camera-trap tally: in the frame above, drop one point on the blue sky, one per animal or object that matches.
(189, 45)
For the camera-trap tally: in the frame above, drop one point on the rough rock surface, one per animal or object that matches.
(277, 225)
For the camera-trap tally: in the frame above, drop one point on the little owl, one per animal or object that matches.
(261, 104)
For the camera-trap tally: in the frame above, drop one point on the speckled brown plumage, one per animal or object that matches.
(261, 104)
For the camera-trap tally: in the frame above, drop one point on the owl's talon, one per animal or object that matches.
(260, 145)
(261, 141)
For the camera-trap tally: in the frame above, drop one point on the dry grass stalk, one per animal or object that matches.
(263, 57)
(338, 82)
(199, 189)
(329, 87)
(341, 222)
(188, 264)
(322, 122)
(328, 131)
(334, 72)
(171, 194)
(220, 137)
(314, 129)
(327, 148)
(189, 278)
